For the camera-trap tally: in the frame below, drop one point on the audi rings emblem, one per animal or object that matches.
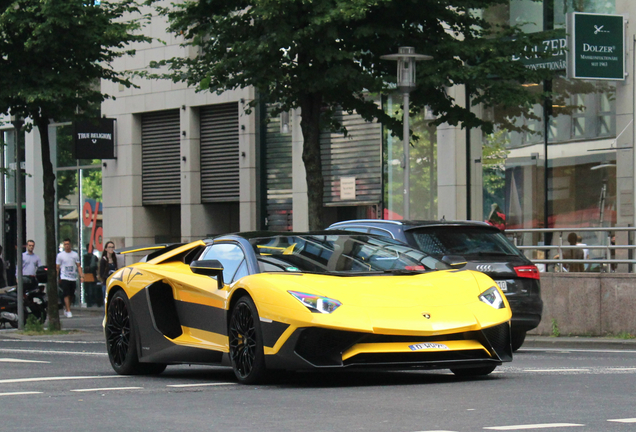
(484, 268)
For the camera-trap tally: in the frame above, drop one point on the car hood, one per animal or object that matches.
(397, 304)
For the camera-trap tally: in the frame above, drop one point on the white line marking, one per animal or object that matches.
(535, 426)
(567, 351)
(107, 389)
(60, 378)
(9, 350)
(556, 370)
(627, 420)
(19, 393)
(622, 369)
(200, 385)
(51, 341)
(10, 360)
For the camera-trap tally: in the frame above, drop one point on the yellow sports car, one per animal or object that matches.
(263, 301)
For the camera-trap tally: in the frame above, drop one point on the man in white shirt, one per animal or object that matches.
(68, 267)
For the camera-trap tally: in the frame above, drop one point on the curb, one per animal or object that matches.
(579, 342)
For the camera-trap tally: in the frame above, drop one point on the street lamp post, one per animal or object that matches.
(18, 123)
(406, 58)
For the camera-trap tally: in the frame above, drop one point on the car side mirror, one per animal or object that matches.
(211, 268)
(455, 261)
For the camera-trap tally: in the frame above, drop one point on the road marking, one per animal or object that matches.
(31, 341)
(556, 370)
(59, 378)
(534, 426)
(20, 393)
(627, 420)
(107, 389)
(622, 369)
(10, 350)
(10, 360)
(567, 350)
(200, 385)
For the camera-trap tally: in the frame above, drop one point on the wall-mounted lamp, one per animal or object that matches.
(183, 158)
(105, 165)
(183, 133)
(242, 154)
(242, 127)
(183, 107)
(242, 100)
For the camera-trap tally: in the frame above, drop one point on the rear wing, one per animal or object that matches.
(152, 251)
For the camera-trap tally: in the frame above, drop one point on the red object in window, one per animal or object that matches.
(528, 271)
(416, 268)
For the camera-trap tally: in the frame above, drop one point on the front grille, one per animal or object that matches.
(324, 347)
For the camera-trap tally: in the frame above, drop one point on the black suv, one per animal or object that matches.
(485, 248)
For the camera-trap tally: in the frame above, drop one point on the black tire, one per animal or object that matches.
(517, 338)
(473, 372)
(121, 340)
(246, 342)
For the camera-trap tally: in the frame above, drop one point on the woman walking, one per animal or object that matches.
(107, 265)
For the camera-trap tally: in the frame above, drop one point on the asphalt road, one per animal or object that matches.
(66, 383)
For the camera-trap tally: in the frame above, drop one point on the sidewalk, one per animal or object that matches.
(86, 325)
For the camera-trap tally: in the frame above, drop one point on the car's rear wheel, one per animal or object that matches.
(246, 342)
(517, 339)
(121, 341)
(473, 372)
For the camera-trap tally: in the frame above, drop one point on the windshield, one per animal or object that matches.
(464, 241)
(341, 254)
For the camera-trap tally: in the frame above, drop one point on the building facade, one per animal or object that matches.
(194, 164)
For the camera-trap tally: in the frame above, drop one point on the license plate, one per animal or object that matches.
(425, 346)
(503, 285)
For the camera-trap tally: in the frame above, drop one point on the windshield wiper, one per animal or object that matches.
(404, 272)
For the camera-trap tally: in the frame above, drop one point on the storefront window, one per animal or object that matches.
(79, 193)
(423, 167)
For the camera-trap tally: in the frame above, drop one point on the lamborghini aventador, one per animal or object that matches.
(264, 301)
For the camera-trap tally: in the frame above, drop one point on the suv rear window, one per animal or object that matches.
(465, 241)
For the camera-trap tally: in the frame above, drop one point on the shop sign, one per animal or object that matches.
(94, 139)
(347, 188)
(596, 46)
(557, 59)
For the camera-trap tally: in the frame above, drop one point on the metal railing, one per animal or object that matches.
(534, 239)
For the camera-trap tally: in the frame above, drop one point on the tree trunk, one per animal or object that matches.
(311, 106)
(48, 177)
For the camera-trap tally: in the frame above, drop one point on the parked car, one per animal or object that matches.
(485, 249)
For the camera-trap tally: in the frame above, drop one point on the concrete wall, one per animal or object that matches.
(588, 305)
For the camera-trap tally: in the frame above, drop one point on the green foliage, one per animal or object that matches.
(33, 324)
(322, 55)
(555, 332)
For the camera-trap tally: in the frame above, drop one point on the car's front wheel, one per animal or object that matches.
(473, 372)
(121, 341)
(246, 342)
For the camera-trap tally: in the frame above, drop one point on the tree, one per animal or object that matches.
(322, 54)
(52, 55)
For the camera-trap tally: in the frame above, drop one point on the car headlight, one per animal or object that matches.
(492, 297)
(316, 303)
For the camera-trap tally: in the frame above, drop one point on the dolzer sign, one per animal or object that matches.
(95, 139)
(596, 46)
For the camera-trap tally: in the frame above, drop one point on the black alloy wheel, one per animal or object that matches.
(246, 342)
(121, 341)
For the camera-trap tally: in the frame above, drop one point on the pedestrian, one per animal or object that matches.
(68, 267)
(3, 271)
(107, 264)
(91, 290)
(586, 252)
(30, 263)
(613, 252)
(573, 254)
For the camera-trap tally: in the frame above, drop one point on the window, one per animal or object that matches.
(232, 258)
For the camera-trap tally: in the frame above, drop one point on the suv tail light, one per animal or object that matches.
(527, 271)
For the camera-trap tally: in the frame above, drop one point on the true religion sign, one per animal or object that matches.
(94, 139)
